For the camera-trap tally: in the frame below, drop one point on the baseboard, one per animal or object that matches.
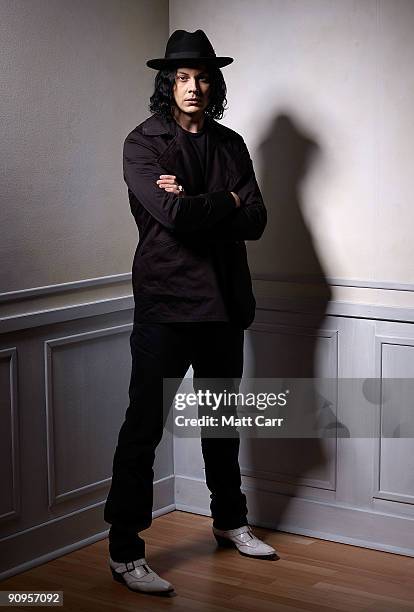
(318, 519)
(38, 543)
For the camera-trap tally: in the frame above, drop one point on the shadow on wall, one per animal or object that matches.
(287, 158)
(286, 349)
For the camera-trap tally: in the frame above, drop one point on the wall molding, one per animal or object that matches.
(353, 310)
(318, 279)
(311, 517)
(337, 308)
(78, 520)
(331, 335)
(60, 288)
(379, 492)
(114, 279)
(10, 354)
(85, 307)
(49, 345)
(66, 313)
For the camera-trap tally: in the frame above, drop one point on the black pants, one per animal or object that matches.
(166, 350)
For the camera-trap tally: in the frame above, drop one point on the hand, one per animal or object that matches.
(168, 182)
(236, 197)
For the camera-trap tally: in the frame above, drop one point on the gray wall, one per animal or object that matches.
(321, 92)
(74, 83)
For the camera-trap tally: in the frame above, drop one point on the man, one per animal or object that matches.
(195, 199)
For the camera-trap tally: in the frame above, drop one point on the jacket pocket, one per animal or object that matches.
(235, 278)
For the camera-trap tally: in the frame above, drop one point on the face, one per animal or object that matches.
(191, 90)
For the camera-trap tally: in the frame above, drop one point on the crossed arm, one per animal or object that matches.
(169, 183)
(220, 216)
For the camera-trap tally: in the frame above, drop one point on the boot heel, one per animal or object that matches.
(116, 576)
(224, 542)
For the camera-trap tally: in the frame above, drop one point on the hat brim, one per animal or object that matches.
(165, 63)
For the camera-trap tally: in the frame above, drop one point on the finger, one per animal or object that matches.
(172, 190)
(168, 176)
(166, 181)
(168, 186)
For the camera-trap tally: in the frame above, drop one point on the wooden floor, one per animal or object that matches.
(311, 574)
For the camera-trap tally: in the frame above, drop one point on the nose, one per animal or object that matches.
(192, 87)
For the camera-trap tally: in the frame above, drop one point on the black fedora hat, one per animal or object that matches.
(190, 47)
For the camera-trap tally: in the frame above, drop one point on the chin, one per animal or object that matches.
(193, 111)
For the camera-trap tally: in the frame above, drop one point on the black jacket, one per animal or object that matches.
(190, 247)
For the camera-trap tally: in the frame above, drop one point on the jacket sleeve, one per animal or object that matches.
(181, 214)
(246, 222)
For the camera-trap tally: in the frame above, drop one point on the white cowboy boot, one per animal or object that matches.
(245, 541)
(138, 576)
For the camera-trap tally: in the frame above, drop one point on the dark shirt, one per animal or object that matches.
(195, 146)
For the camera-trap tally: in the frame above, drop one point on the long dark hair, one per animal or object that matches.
(162, 99)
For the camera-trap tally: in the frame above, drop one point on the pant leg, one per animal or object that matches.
(218, 353)
(158, 350)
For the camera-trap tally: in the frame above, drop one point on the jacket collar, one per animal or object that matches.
(171, 158)
(156, 125)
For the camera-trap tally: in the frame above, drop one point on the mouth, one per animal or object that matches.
(193, 101)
